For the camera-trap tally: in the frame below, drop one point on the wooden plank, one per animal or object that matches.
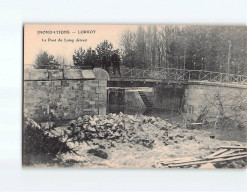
(216, 153)
(233, 147)
(177, 160)
(230, 152)
(211, 161)
(207, 160)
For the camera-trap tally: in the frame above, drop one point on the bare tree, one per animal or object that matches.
(226, 109)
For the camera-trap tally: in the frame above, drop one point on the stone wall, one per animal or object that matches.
(133, 99)
(64, 94)
(198, 95)
(168, 97)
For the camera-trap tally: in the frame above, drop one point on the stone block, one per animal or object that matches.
(87, 74)
(102, 97)
(97, 90)
(87, 109)
(72, 74)
(102, 110)
(100, 104)
(102, 83)
(101, 74)
(86, 88)
(56, 83)
(78, 74)
(65, 83)
(36, 74)
(92, 84)
(96, 82)
(103, 90)
(58, 87)
(91, 102)
(55, 74)
(85, 105)
(95, 99)
(95, 111)
(26, 75)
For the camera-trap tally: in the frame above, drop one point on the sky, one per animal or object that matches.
(39, 38)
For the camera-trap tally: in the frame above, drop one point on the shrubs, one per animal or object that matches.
(38, 146)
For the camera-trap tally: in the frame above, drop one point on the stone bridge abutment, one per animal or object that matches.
(64, 94)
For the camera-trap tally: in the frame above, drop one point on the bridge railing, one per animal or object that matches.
(181, 75)
(173, 74)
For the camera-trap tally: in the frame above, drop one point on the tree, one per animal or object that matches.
(127, 43)
(210, 48)
(226, 110)
(88, 58)
(79, 57)
(140, 47)
(45, 60)
(103, 49)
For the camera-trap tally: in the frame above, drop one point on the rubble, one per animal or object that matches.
(47, 125)
(131, 141)
(120, 128)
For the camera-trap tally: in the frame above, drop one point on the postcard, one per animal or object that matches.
(134, 96)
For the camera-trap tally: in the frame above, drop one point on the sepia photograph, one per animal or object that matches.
(134, 96)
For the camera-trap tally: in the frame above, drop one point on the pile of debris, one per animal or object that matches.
(113, 128)
(133, 141)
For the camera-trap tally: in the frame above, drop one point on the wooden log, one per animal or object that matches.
(233, 147)
(210, 161)
(216, 153)
(177, 160)
(229, 152)
(206, 160)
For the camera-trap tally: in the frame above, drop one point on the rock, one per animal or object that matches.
(150, 144)
(82, 135)
(61, 129)
(56, 133)
(73, 123)
(92, 123)
(163, 128)
(86, 118)
(99, 153)
(78, 129)
(182, 136)
(92, 129)
(85, 126)
(190, 137)
(101, 134)
(47, 125)
(117, 134)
